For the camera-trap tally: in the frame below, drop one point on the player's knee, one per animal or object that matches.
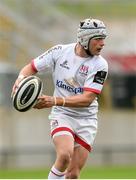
(65, 157)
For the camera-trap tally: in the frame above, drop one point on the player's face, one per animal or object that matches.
(96, 45)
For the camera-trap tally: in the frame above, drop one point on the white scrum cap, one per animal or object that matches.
(88, 29)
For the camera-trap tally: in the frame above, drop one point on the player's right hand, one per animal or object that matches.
(44, 102)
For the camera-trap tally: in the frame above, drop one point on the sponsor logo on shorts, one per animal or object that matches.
(54, 123)
(76, 90)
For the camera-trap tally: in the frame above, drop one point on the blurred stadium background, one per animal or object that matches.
(27, 29)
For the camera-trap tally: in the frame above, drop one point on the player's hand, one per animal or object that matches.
(16, 85)
(44, 102)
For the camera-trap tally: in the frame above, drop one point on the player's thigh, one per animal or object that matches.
(64, 143)
(79, 158)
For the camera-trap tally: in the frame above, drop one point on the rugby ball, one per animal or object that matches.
(27, 93)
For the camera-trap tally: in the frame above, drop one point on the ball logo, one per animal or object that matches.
(27, 94)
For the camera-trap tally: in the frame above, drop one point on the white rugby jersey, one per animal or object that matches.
(72, 75)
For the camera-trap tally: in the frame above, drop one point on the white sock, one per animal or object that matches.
(56, 174)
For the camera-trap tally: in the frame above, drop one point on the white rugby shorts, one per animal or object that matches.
(82, 130)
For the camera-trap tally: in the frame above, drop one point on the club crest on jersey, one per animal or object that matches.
(65, 64)
(84, 70)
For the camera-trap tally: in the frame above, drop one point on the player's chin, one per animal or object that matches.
(98, 52)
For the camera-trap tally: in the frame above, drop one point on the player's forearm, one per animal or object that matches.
(83, 100)
(75, 101)
(27, 71)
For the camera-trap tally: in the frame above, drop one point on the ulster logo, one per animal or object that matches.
(84, 70)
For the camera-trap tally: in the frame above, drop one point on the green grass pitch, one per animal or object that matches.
(87, 173)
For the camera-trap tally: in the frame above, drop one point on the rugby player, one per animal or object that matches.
(79, 73)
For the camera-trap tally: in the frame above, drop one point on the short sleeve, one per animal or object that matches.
(95, 80)
(47, 59)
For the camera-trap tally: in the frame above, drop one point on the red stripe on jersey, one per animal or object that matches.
(77, 139)
(92, 90)
(82, 143)
(33, 66)
(62, 129)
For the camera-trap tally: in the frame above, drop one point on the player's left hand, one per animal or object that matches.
(16, 85)
(44, 102)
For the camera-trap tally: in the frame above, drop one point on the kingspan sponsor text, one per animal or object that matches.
(61, 84)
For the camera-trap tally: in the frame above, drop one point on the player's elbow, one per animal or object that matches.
(87, 103)
(88, 98)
